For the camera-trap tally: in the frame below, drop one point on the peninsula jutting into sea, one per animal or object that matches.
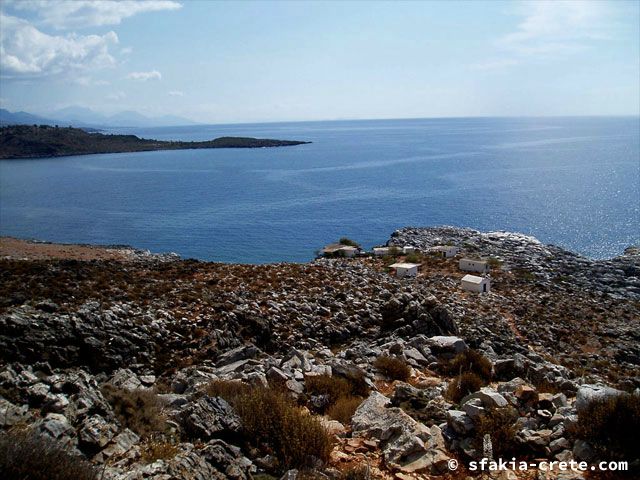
(42, 141)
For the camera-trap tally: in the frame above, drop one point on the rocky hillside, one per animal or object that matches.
(140, 366)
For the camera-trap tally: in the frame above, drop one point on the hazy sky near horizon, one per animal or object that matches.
(246, 61)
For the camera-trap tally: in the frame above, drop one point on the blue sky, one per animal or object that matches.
(217, 62)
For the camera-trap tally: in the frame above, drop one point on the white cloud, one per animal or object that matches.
(63, 14)
(556, 28)
(126, 50)
(176, 93)
(144, 76)
(25, 51)
(88, 82)
(116, 96)
(549, 30)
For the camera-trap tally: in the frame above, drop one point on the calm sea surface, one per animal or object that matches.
(574, 182)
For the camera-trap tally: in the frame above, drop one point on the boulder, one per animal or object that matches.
(447, 345)
(588, 393)
(407, 445)
(210, 417)
(489, 397)
(95, 432)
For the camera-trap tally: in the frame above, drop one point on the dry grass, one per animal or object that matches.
(393, 368)
(611, 425)
(138, 410)
(499, 424)
(273, 423)
(158, 448)
(334, 387)
(469, 361)
(344, 408)
(463, 385)
(25, 455)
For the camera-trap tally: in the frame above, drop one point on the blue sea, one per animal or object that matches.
(573, 182)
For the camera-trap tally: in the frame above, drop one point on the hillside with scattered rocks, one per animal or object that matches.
(153, 367)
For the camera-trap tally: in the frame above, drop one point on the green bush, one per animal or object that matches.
(413, 257)
(469, 361)
(349, 242)
(270, 419)
(392, 367)
(25, 455)
(138, 410)
(611, 426)
(463, 385)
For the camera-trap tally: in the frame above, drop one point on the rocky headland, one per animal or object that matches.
(142, 366)
(43, 141)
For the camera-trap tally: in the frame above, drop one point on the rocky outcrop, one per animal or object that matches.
(407, 445)
(81, 341)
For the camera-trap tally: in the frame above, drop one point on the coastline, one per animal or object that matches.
(88, 325)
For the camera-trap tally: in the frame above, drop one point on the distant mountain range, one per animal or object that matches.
(85, 117)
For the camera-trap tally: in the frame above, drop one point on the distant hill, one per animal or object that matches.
(22, 118)
(28, 141)
(85, 117)
(80, 116)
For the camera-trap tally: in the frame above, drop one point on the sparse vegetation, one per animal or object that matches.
(393, 367)
(494, 262)
(499, 424)
(270, 418)
(356, 473)
(349, 242)
(158, 447)
(138, 410)
(334, 387)
(414, 257)
(469, 361)
(463, 385)
(25, 455)
(344, 408)
(611, 426)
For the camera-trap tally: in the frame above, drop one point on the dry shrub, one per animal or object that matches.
(138, 410)
(270, 418)
(469, 361)
(344, 408)
(544, 386)
(227, 389)
(334, 387)
(25, 455)
(356, 473)
(158, 447)
(463, 385)
(500, 425)
(611, 426)
(392, 367)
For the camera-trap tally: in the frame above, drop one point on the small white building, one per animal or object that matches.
(471, 283)
(340, 249)
(380, 251)
(446, 251)
(407, 249)
(472, 265)
(405, 269)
